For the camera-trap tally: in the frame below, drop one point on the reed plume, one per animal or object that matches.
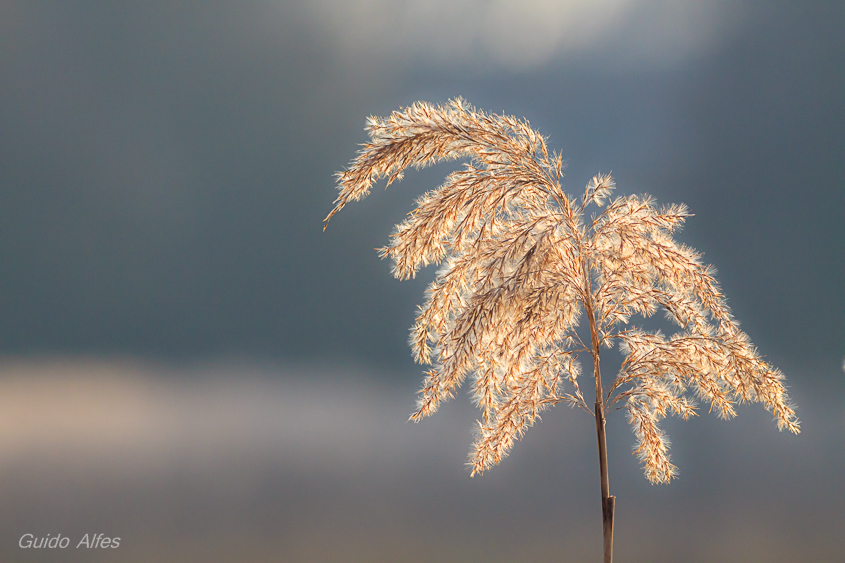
(520, 265)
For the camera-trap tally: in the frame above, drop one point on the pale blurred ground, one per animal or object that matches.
(242, 462)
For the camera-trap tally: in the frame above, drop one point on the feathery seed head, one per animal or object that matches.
(520, 264)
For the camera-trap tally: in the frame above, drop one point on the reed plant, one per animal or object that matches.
(529, 283)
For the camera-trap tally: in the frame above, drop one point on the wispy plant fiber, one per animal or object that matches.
(521, 264)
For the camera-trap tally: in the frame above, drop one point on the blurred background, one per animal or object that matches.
(188, 363)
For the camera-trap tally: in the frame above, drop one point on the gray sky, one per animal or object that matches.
(166, 168)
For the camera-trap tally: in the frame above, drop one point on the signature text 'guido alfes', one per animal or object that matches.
(90, 541)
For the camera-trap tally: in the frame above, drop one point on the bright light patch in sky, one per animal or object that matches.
(522, 33)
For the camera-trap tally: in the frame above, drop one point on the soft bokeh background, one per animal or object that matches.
(188, 363)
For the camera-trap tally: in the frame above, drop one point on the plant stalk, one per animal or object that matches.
(608, 503)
